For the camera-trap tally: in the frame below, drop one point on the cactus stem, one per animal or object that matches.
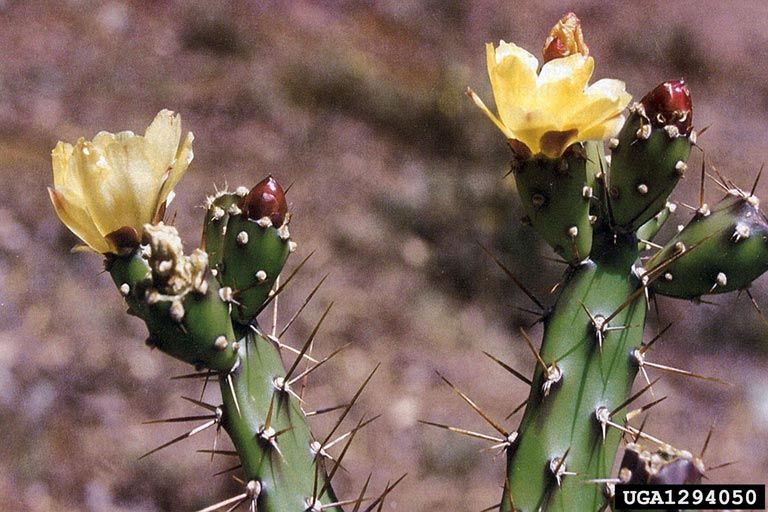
(282, 286)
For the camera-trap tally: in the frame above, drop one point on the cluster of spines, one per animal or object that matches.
(202, 309)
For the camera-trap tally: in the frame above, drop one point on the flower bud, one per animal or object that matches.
(266, 199)
(670, 104)
(565, 38)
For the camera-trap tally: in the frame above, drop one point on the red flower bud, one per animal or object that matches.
(565, 38)
(670, 104)
(266, 199)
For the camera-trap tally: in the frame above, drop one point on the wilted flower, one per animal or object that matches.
(106, 189)
(547, 111)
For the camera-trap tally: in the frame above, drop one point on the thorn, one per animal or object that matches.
(202, 404)
(533, 349)
(239, 499)
(228, 470)
(558, 468)
(633, 398)
(180, 419)
(640, 360)
(227, 453)
(462, 431)
(303, 305)
(720, 466)
(512, 277)
(317, 365)
(511, 370)
(309, 341)
(517, 409)
(195, 375)
(283, 285)
(650, 244)
(325, 410)
(711, 427)
(337, 464)
(231, 384)
(640, 410)
(646, 347)
(362, 493)
(474, 406)
(274, 306)
(352, 432)
(175, 440)
(701, 189)
(387, 490)
(757, 180)
(351, 403)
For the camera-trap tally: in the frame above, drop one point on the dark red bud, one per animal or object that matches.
(670, 104)
(266, 199)
(555, 50)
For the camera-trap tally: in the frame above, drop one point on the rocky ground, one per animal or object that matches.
(396, 175)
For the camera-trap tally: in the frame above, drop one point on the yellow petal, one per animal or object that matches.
(512, 72)
(165, 133)
(78, 221)
(562, 83)
(179, 166)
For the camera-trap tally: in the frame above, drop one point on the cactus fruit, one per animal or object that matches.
(650, 155)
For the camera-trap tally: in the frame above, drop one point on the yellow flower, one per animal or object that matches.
(547, 111)
(106, 189)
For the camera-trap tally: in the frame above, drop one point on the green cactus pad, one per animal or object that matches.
(252, 257)
(564, 421)
(286, 469)
(194, 327)
(644, 171)
(556, 197)
(650, 229)
(215, 224)
(727, 250)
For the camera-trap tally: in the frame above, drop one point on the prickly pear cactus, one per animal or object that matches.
(202, 308)
(599, 214)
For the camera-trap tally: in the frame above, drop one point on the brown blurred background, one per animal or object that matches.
(396, 175)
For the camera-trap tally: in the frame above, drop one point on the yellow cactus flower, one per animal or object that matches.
(544, 112)
(106, 189)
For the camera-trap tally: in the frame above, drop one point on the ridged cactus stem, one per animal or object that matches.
(270, 432)
(590, 370)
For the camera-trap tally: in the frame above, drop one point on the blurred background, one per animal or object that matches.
(396, 175)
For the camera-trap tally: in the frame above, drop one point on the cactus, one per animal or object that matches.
(592, 346)
(203, 308)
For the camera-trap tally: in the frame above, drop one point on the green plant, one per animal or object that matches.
(599, 214)
(203, 308)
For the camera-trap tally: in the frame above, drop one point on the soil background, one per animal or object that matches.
(395, 176)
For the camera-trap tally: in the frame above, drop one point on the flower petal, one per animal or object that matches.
(165, 133)
(512, 71)
(183, 157)
(78, 221)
